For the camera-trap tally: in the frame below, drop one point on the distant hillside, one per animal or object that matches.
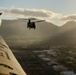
(69, 28)
(15, 32)
(17, 27)
(66, 35)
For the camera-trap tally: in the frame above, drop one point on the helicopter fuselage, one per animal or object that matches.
(31, 25)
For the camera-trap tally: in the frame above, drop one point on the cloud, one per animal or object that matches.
(14, 13)
(28, 12)
(69, 17)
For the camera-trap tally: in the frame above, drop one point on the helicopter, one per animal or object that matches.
(31, 24)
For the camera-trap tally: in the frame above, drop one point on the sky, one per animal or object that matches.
(54, 11)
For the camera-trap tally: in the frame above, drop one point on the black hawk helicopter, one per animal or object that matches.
(31, 24)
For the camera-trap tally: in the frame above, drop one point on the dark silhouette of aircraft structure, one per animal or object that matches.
(31, 24)
(0, 13)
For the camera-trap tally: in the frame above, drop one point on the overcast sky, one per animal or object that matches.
(55, 11)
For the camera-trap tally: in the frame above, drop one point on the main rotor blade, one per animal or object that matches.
(32, 18)
(22, 19)
(40, 21)
(27, 18)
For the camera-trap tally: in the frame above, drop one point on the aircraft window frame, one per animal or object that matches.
(6, 54)
(4, 45)
(11, 73)
(7, 66)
